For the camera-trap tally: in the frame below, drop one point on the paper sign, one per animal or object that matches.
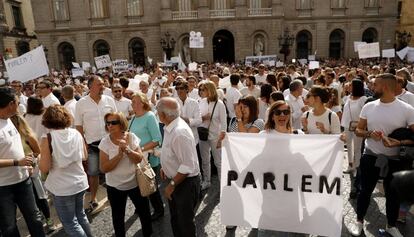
(86, 65)
(103, 61)
(192, 66)
(279, 64)
(120, 65)
(410, 55)
(357, 44)
(77, 72)
(249, 60)
(402, 53)
(196, 42)
(311, 57)
(303, 61)
(371, 50)
(75, 64)
(388, 53)
(272, 63)
(313, 64)
(28, 66)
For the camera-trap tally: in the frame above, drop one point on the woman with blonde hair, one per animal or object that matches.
(279, 119)
(214, 116)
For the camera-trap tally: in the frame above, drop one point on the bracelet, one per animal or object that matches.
(15, 162)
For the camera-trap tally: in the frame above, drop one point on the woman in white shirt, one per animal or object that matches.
(350, 117)
(213, 114)
(62, 151)
(34, 115)
(279, 119)
(320, 120)
(119, 154)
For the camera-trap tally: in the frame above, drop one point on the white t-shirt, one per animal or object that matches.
(71, 107)
(122, 177)
(50, 100)
(352, 109)
(67, 176)
(90, 116)
(232, 97)
(407, 97)
(260, 78)
(11, 148)
(333, 127)
(386, 117)
(35, 123)
(255, 92)
(296, 104)
(124, 105)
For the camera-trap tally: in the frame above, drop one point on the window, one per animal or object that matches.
(17, 16)
(134, 7)
(371, 3)
(99, 8)
(220, 4)
(60, 10)
(22, 47)
(101, 47)
(304, 4)
(338, 4)
(184, 5)
(255, 4)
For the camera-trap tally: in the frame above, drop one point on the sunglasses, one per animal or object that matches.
(117, 91)
(179, 88)
(284, 112)
(41, 87)
(114, 122)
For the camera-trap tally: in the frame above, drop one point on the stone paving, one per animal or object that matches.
(208, 218)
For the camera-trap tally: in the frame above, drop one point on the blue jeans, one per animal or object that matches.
(20, 194)
(71, 214)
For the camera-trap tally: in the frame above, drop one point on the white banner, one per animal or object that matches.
(28, 66)
(403, 52)
(357, 44)
(371, 50)
(311, 57)
(296, 189)
(103, 61)
(388, 53)
(313, 64)
(77, 72)
(261, 59)
(120, 65)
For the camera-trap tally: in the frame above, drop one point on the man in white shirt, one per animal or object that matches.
(406, 75)
(233, 95)
(68, 93)
(15, 184)
(261, 76)
(378, 119)
(403, 94)
(192, 88)
(123, 104)
(251, 88)
(45, 88)
(18, 87)
(89, 121)
(180, 168)
(295, 101)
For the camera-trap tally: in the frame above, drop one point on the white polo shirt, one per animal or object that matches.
(50, 100)
(190, 109)
(124, 105)
(90, 116)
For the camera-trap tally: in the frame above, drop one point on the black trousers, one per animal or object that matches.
(369, 179)
(183, 207)
(117, 200)
(155, 198)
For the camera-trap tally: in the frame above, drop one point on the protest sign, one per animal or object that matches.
(120, 65)
(279, 64)
(77, 72)
(86, 65)
(297, 189)
(249, 60)
(28, 66)
(272, 63)
(388, 53)
(196, 40)
(313, 64)
(357, 44)
(403, 52)
(303, 61)
(312, 57)
(192, 66)
(76, 65)
(410, 55)
(371, 50)
(103, 61)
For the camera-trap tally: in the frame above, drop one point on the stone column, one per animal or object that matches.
(4, 28)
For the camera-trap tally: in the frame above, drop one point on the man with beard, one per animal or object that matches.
(251, 88)
(89, 121)
(378, 119)
(123, 105)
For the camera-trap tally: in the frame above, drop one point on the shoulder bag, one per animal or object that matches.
(202, 131)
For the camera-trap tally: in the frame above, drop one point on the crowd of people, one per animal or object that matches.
(60, 134)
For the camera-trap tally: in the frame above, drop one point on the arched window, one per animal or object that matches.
(136, 48)
(303, 44)
(22, 47)
(336, 44)
(101, 47)
(370, 35)
(66, 54)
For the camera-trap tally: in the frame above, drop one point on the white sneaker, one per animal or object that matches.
(356, 229)
(394, 232)
(205, 185)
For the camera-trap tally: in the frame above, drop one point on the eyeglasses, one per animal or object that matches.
(117, 91)
(280, 112)
(180, 88)
(41, 87)
(114, 122)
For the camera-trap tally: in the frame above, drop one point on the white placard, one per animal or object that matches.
(371, 50)
(175, 59)
(75, 64)
(120, 65)
(410, 55)
(192, 66)
(312, 57)
(403, 52)
(249, 60)
(86, 65)
(303, 61)
(28, 66)
(272, 63)
(297, 189)
(357, 44)
(388, 53)
(77, 72)
(103, 61)
(279, 64)
(196, 42)
(313, 64)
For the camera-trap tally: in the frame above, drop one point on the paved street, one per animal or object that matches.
(208, 218)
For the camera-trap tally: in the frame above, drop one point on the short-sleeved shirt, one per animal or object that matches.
(50, 100)
(122, 177)
(258, 123)
(124, 105)
(147, 128)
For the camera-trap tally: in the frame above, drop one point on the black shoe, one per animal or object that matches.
(156, 215)
(353, 194)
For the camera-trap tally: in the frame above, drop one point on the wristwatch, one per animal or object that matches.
(239, 120)
(172, 183)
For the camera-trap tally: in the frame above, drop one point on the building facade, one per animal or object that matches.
(17, 34)
(406, 19)
(75, 30)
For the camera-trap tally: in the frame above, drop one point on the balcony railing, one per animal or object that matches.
(222, 13)
(259, 11)
(183, 15)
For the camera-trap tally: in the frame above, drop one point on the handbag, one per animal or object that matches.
(352, 124)
(145, 178)
(202, 131)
